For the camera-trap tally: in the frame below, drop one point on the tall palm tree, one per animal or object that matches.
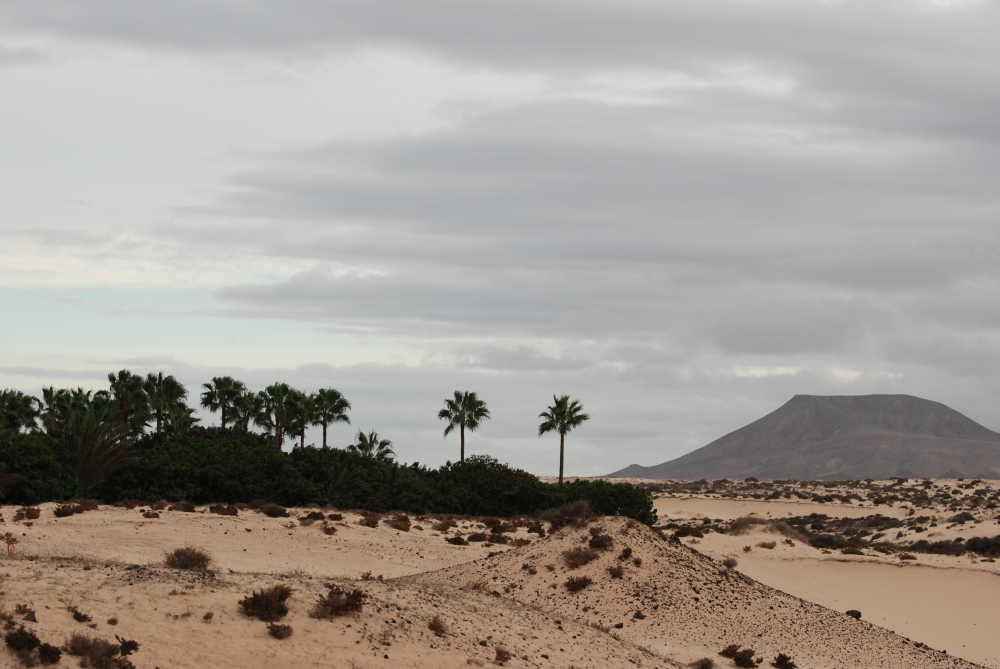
(179, 419)
(245, 409)
(562, 417)
(220, 394)
(301, 414)
(60, 404)
(273, 413)
(466, 411)
(127, 393)
(99, 443)
(165, 394)
(331, 407)
(370, 446)
(18, 411)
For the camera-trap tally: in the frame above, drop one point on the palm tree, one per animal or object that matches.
(127, 393)
(301, 414)
(100, 444)
(18, 411)
(245, 409)
(220, 394)
(466, 412)
(165, 394)
(60, 405)
(179, 419)
(370, 446)
(330, 407)
(562, 417)
(273, 413)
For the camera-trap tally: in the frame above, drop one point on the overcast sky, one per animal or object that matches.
(680, 213)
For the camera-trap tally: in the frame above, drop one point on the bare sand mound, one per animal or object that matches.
(668, 593)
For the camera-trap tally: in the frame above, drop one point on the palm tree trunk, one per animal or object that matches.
(302, 437)
(223, 416)
(562, 449)
(277, 432)
(324, 434)
(159, 419)
(462, 432)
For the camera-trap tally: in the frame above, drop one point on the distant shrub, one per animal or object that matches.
(601, 541)
(101, 654)
(984, 545)
(625, 554)
(224, 509)
(437, 626)
(279, 631)
(852, 550)
(186, 507)
(335, 516)
(369, 519)
(502, 655)
(729, 563)
(576, 513)
(86, 504)
(907, 556)
(127, 504)
(497, 539)
(444, 525)
(782, 661)
(457, 541)
(399, 522)
(49, 654)
(338, 602)
(577, 583)
(477, 536)
(27, 512)
(616, 571)
(577, 557)
(745, 524)
(190, 558)
(267, 605)
(854, 613)
(22, 640)
(769, 545)
(703, 663)
(274, 511)
(64, 510)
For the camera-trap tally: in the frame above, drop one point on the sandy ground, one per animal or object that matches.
(109, 563)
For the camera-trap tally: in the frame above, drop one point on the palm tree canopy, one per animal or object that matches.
(164, 391)
(330, 406)
(562, 416)
(465, 409)
(18, 411)
(369, 445)
(273, 407)
(221, 393)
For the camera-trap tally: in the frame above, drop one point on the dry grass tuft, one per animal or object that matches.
(617, 571)
(101, 654)
(338, 602)
(189, 558)
(437, 626)
(502, 655)
(279, 631)
(577, 557)
(769, 545)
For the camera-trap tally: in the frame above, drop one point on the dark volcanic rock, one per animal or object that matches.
(844, 437)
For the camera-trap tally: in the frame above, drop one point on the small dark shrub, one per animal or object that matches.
(101, 654)
(854, 613)
(437, 626)
(127, 504)
(444, 525)
(399, 522)
(852, 550)
(577, 583)
(477, 536)
(338, 602)
(190, 558)
(224, 509)
(22, 640)
(335, 516)
(274, 511)
(78, 615)
(315, 515)
(577, 557)
(457, 541)
(502, 655)
(498, 539)
(744, 658)
(268, 604)
(730, 651)
(186, 507)
(49, 654)
(682, 532)
(576, 513)
(328, 529)
(86, 504)
(208, 616)
(64, 510)
(616, 571)
(637, 561)
(112, 621)
(369, 519)
(536, 528)
(159, 506)
(703, 663)
(601, 541)
(625, 554)
(150, 515)
(729, 563)
(126, 646)
(279, 631)
(782, 661)
(29, 512)
(769, 545)
(907, 556)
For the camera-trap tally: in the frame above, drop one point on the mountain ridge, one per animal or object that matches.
(843, 437)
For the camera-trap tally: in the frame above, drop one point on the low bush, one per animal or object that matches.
(457, 541)
(279, 631)
(616, 571)
(329, 529)
(274, 511)
(100, 653)
(703, 663)
(497, 539)
(335, 516)
(224, 509)
(22, 640)
(338, 602)
(399, 522)
(599, 540)
(477, 536)
(625, 554)
(49, 654)
(745, 524)
(984, 545)
(576, 513)
(64, 510)
(769, 545)
(369, 519)
(186, 507)
(437, 626)
(502, 655)
(729, 563)
(86, 504)
(27, 513)
(189, 558)
(782, 661)
(854, 613)
(577, 557)
(577, 583)
(852, 550)
(78, 615)
(267, 605)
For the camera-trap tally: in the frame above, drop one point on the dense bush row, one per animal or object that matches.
(211, 465)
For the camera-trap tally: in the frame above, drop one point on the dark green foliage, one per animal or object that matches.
(268, 604)
(49, 654)
(42, 465)
(984, 545)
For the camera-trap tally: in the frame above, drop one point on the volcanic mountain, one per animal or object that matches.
(844, 437)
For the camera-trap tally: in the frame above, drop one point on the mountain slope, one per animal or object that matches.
(844, 437)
